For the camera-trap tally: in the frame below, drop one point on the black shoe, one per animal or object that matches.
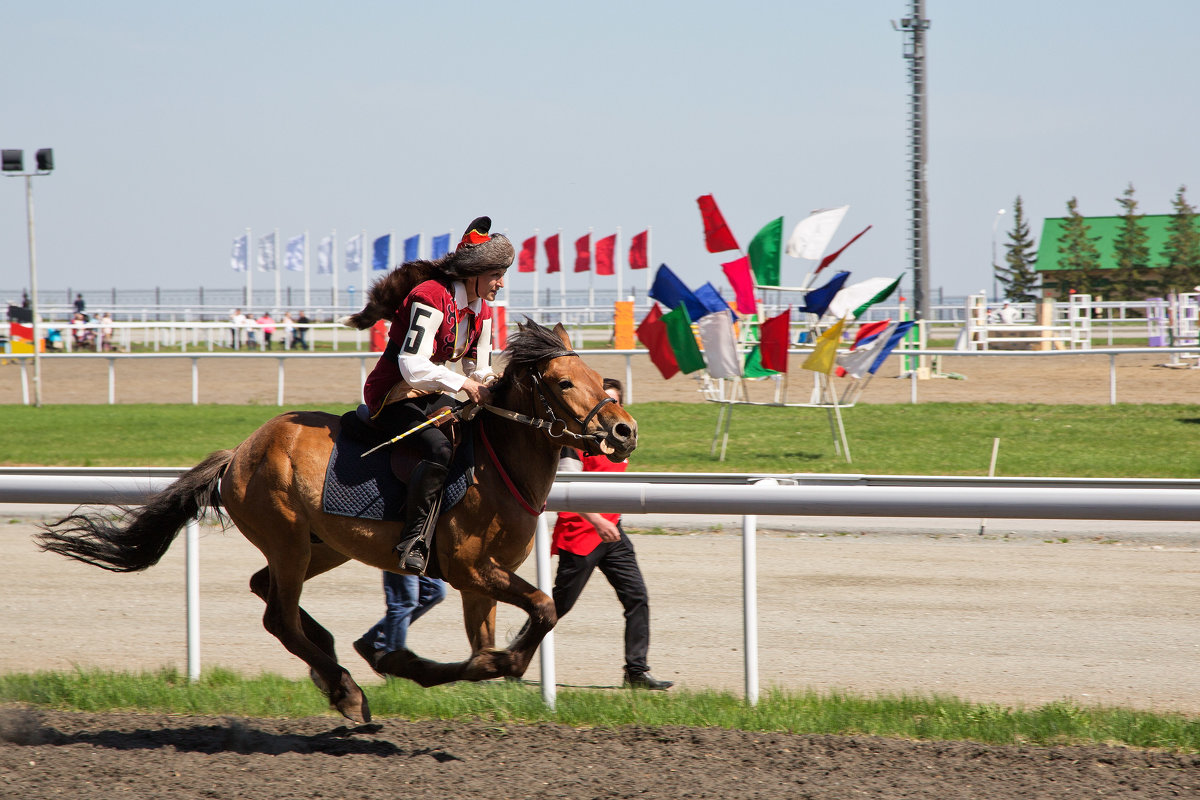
(414, 560)
(644, 680)
(369, 653)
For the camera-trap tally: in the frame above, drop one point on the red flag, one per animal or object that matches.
(869, 329)
(829, 259)
(583, 253)
(717, 236)
(773, 346)
(605, 249)
(528, 259)
(740, 278)
(551, 245)
(638, 258)
(652, 333)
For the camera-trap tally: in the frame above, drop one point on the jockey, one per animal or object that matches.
(440, 314)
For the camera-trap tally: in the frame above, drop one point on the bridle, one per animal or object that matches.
(555, 427)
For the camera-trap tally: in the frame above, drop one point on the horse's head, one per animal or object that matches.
(567, 395)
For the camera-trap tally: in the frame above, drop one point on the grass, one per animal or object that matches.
(926, 439)
(934, 717)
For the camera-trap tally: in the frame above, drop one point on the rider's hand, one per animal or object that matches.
(477, 392)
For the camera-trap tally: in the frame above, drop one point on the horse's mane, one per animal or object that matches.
(531, 344)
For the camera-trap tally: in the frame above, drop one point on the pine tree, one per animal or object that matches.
(1019, 278)
(1182, 250)
(1079, 257)
(1131, 252)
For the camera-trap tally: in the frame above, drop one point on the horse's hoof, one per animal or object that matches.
(355, 712)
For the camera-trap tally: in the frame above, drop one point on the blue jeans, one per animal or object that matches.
(408, 597)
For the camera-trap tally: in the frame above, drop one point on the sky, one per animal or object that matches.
(175, 127)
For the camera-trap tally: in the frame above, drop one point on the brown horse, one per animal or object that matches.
(271, 487)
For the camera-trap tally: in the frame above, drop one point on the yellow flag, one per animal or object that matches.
(824, 355)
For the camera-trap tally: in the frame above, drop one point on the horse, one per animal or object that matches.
(270, 488)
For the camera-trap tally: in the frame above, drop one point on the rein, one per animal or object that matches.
(512, 487)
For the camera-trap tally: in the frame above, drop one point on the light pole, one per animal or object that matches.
(995, 280)
(13, 162)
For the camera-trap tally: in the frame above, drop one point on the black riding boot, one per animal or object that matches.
(423, 500)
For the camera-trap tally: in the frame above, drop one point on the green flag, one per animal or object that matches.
(764, 253)
(882, 295)
(753, 367)
(683, 341)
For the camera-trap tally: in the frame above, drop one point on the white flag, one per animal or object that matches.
(720, 347)
(812, 234)
(297, 248)
(858, 361)
(237, 259)
(845, 302)
(354, 253)
(325, 256)
(266, 254)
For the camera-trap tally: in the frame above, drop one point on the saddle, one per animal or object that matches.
(373, 487)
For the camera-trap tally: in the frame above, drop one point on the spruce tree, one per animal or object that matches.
(1019, 277)
(1181, 273)
(1131, 253)
(1079, 259)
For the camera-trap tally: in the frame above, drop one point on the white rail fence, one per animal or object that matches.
(820, 496)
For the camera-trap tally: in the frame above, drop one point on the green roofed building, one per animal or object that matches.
(1103, 231)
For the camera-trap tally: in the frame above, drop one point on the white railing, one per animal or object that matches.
(1029, 498)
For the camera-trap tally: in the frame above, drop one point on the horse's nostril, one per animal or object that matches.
(622, 431)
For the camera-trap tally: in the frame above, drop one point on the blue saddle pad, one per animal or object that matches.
(366, 487)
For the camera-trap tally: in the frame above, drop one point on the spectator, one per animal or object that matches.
(106, 331)
(267, 323)
(586, 541)
(302, 321)
(408, 597)
(1008, 314)
(80, 306)
(289, 330)
(237, 321)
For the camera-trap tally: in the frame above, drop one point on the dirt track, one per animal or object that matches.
(1022, 618)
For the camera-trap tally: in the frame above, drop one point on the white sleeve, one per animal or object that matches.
(414, 358)
(481, 369)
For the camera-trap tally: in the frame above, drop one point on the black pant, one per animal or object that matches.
(618, 563)
(429, 442)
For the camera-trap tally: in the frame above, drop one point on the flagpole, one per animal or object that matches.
(306, 282)
(591, 276)
(275, 263)
(617, 262)
(333, 267)
(562, 274)
(649, 263)
(534, 304)
(249, 270)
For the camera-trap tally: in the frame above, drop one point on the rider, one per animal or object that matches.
(439, 314)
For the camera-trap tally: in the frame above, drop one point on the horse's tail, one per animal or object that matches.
(140, 536)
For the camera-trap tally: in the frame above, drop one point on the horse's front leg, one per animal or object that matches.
(479, 615)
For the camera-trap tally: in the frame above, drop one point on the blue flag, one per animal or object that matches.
(818, 300)
(671, 292)
(441, 246)
(383, 246)
(893, 340)
(711, 299)
(412, 247)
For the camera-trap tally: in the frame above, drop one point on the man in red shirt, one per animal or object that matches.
(586, 541)
(440, 315)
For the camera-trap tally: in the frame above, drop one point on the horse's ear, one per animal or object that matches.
(562, 335)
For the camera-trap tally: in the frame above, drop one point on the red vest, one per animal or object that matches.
(572, 532)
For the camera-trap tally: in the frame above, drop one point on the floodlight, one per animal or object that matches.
(45, 159)
(13, 160)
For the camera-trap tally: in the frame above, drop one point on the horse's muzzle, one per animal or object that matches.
(620, 441)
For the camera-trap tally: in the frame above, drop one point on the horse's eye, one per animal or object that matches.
(565, 384)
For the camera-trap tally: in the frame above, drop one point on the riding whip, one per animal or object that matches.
(436, 418)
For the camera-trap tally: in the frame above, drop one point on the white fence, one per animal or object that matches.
(782, 495)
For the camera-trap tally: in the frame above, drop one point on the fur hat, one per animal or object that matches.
(478, 252)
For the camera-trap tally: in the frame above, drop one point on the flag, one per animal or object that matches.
(683, 341)
(412, 248)
(824, 355)
(266, 253)
(354, 248)
(829, 259)
(670, 291)
(817, 301)
(325, 256)
(238, 258)
(738, 273)
(890, 343)
(867, 341)
(605, 250)
(652, 333)
(764, 253)
(583, 253)
(552, 260)
(811, 235)
(638, 250)
(297, 249)
(711, 299)
(381, 252)
(856, 298)
(527, 261)
(720, 347)
(753, 367)
(441, 246)
(775, 338)
(717, 236)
